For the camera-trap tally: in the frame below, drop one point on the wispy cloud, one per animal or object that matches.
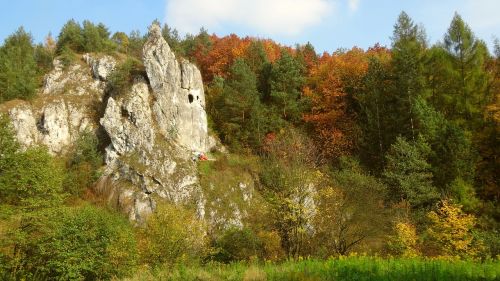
(273, 17)
(353, 5)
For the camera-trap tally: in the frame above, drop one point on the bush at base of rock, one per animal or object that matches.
(82, 169)
(237, 245)
(172, 235)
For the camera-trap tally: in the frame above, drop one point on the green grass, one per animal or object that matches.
(351, 268)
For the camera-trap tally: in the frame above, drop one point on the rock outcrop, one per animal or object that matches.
(101, 66)
(153, 130)
(179, 105)
(154, 134)
(66, 107)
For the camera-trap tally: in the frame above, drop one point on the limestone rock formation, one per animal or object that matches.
(101, 66)
(179, 105)
(56, 124)
(75, 79)
(142, 165)
(153, 135)
(64, 109)
(153, 131)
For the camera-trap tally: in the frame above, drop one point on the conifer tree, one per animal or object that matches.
(407, 65)
(466, 95)
(286, 81)
(18, 67)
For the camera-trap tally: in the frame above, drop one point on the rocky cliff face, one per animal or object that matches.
(67, 106)
(154, 129)
(179, 100)
(154, 134)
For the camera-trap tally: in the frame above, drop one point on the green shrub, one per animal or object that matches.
(32, 179)
(237, 245)
(83, 166)
(172, 235)
(123, 76)
(82, 243)
(67, 56)
(8, 143)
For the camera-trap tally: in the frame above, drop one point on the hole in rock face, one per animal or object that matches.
(190, 98)
(197, 97)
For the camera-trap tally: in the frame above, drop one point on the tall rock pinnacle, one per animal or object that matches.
(179, 99)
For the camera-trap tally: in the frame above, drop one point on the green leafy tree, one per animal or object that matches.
(347, 206)
(196, 47)
(136, 42)
(8, 143)
(256, 58)
(19, 75)
(238, 245)
(121, 40)
(123, 76)
(32, 179)
(96, 38)
(452, 154)
(171, 35)
(29, 178)
(44, 54)
(374, 118)
(64, 243)
(171, 235)
(308, 57)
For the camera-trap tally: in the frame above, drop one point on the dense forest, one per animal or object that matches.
(400, 144)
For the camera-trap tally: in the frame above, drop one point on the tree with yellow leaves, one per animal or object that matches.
(405, 241)
(451, 232)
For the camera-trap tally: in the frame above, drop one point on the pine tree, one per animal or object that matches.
(408, 174)
(171, 35)
(374, 117)
(407, 66)
(286, 81)
(18, 67)
(468, 80)
(451, 154)
(240, 120)
(71, 37)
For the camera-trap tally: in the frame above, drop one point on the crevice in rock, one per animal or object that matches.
(40, 125)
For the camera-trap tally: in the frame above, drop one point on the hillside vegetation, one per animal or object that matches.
(390, 153)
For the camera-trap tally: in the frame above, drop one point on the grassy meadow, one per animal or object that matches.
(344, 268)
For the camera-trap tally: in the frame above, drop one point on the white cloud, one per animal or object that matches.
(353, 5)
(282, 17)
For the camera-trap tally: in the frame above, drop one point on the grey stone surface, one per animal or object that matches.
(179, 106)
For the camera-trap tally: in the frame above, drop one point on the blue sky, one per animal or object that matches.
(327, 24)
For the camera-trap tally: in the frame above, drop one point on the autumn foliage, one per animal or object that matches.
(330, 88)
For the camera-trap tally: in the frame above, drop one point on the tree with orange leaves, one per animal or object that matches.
(221, 56)
(331, 86)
